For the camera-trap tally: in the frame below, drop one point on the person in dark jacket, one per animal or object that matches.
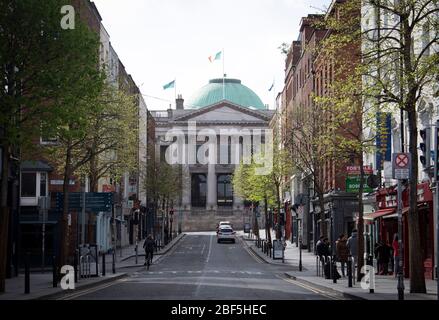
(342, 252)
(382, 253)
(149, 246)
(323, 249)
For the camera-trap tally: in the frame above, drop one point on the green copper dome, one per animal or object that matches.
(234, 92)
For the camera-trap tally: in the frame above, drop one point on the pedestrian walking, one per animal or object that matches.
(352, 245)
(342, 252)
(382, 254)
(149, 246)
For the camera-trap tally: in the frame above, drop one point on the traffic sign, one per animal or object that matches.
(401, 165)
(94, 201)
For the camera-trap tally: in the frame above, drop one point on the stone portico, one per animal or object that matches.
(207, 195)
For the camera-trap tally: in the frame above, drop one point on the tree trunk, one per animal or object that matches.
(65, 230)
(360, 226)
(279, 228)
(323, 225)
(4, 215)
(416, 259)
(255, 224)
(267, 221)
(94, 174)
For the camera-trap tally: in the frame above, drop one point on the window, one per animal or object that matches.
(33, 185)
(43, 184)
(29, 184)
(163, 153)
(47, 134)
(426, 39)
(198, 190)
(224, 190)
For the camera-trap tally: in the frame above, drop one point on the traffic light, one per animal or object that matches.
(425, 147)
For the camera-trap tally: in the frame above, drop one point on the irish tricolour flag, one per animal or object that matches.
(217, 56)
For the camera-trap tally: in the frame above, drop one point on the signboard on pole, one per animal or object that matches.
(95, 201)
(355, 170)
(353, 184)
(401, 165)
(278, 249)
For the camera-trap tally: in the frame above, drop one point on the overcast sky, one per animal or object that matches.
(159, 40)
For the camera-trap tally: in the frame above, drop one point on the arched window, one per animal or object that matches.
(224, 190)
(198, 190)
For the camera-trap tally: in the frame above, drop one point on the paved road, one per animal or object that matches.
(200, 268)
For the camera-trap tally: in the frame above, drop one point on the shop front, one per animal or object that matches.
(384, 223)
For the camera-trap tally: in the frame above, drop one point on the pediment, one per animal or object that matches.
(224, 112)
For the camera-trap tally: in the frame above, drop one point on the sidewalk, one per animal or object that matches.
(41, 283)
(385, 286)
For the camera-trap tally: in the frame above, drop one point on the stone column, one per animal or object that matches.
(186, 188)
(211, 188)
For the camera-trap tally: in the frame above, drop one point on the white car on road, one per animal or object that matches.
(226, 233)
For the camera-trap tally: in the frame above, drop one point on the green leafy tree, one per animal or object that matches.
(250, 184)
(45, 72)
(400, 53)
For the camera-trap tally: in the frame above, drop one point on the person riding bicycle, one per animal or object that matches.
(149, 246)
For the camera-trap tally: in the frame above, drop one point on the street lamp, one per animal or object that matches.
(295, 209)
(333, 264)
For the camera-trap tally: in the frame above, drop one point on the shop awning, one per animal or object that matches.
(380, 213)
(29, 165)
(394, 215)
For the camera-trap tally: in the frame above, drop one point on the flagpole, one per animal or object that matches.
(274, 94)
(224, 87)
(175, 92)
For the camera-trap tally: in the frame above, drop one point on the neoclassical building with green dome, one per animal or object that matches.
(222, 105)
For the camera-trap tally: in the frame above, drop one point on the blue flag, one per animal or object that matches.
(169, 85)
(271, 88)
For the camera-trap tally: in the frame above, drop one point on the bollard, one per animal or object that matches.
(317, 265)
(372, 276)
(334, 269)
(27, 274)
(349, 271)
(54, 273)
(136, 252)
(103, 265)
(114, 263)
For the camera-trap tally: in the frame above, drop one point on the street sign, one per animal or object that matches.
(353, 184)
(355, 170)
(401, 164)
(94, 201)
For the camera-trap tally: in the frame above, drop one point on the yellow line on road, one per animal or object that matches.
(91, 290)
(310, 288)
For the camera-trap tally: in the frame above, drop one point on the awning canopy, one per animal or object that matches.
(380, 213)
(30, 165)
